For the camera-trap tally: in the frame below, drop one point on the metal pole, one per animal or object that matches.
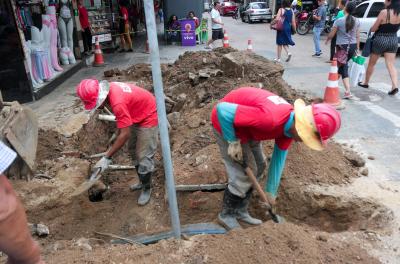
(162, 116)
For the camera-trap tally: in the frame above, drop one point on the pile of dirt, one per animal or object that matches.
(193, 84)
(269, 243)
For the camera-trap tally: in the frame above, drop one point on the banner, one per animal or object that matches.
(188, 32)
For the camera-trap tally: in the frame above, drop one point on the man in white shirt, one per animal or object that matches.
(216, 21)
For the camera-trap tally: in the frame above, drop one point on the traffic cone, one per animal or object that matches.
(332, 95)
(98, 55)
(249, 46)
(226, 40)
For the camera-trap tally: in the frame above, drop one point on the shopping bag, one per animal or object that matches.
(277, 23)
(368, 46)
(357, 70)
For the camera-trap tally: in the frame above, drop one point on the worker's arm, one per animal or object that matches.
(15, 238)
(226, 115)
(124, 134)
(275, 170)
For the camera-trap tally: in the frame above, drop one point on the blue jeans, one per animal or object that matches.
(317, 34)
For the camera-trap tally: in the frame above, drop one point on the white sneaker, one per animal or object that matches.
(276, 60)
(208, 47)
(289, 56)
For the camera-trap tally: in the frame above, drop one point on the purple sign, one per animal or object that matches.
(188, 32)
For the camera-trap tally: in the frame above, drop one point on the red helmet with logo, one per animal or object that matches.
(327, 120)
(92, 93)
(88, 91)
(316, 123)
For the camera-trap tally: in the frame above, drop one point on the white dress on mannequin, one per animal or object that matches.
(46, 31)
(66, 27)
(27, 49)
(51, 11)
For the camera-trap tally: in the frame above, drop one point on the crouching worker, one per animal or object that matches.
(136, 113)
(15, 238)
(246, 116)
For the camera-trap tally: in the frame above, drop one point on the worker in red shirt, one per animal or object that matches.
(86, 30)
(245, 117)
(136, 113)
(15, 238)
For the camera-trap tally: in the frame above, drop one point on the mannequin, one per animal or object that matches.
(65, 25)
(46, 31)
(51, 12)
(39, 52)
(27, 49)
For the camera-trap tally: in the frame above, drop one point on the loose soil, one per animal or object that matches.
(193, 84)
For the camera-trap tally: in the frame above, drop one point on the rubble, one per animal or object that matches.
(197, 163)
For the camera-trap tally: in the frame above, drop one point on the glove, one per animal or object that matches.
(103, 163)
(235, 151)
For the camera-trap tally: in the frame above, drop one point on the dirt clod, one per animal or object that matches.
(355, 159)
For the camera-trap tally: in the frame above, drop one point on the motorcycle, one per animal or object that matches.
(305, 23)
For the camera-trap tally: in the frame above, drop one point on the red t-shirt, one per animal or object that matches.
(132, 105)
(125, 14)
(260, 115)
(83, 17)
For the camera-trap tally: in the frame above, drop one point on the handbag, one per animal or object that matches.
(277, 24)
(368, 45)
(341, 55)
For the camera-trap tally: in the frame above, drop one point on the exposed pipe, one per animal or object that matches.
(107, 118)
(162, 116)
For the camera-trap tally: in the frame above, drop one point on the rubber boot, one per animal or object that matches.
(228, 215)
(145, 179)
(243, 213)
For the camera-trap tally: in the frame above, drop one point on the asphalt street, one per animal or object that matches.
(371, 122)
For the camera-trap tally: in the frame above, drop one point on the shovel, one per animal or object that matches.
(96, 175)
(276, 218)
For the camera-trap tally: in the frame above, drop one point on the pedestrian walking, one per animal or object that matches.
(15, 238)
(124, 28)
(86, 29)
(136, 113)
(245, 117)
(342, 4)
(385, 42)
(347, 32)
(284, 36)
(319, 17)
(216, 26)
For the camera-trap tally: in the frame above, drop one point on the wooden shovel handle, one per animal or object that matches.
(256, 185)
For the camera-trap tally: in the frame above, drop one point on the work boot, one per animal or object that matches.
(243, 213)
(145, 179)
(227, 217)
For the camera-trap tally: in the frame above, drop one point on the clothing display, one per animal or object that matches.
(66, 29)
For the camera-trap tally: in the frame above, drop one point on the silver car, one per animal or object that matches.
(256, 11)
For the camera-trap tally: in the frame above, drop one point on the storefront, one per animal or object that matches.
(42, 46)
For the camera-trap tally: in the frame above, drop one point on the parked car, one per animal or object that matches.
(256, 11)
(367, 12)
(228, 8)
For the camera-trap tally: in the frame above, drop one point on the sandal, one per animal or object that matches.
(393, 91)
(363, 85)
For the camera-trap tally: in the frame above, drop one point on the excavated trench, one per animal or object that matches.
(196, 160)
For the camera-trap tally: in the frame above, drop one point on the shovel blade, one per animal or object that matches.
(85, 186)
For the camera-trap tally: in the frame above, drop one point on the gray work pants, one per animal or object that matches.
(238, 182)
(143, 146)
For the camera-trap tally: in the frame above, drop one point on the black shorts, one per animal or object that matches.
(384, 43)
(217, 34)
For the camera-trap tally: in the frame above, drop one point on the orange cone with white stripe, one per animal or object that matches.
(249, 45)
(98, 54)
(332, 95)
(226, 40)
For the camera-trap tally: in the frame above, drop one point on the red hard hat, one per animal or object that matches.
(88, 91)
(327, 120)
